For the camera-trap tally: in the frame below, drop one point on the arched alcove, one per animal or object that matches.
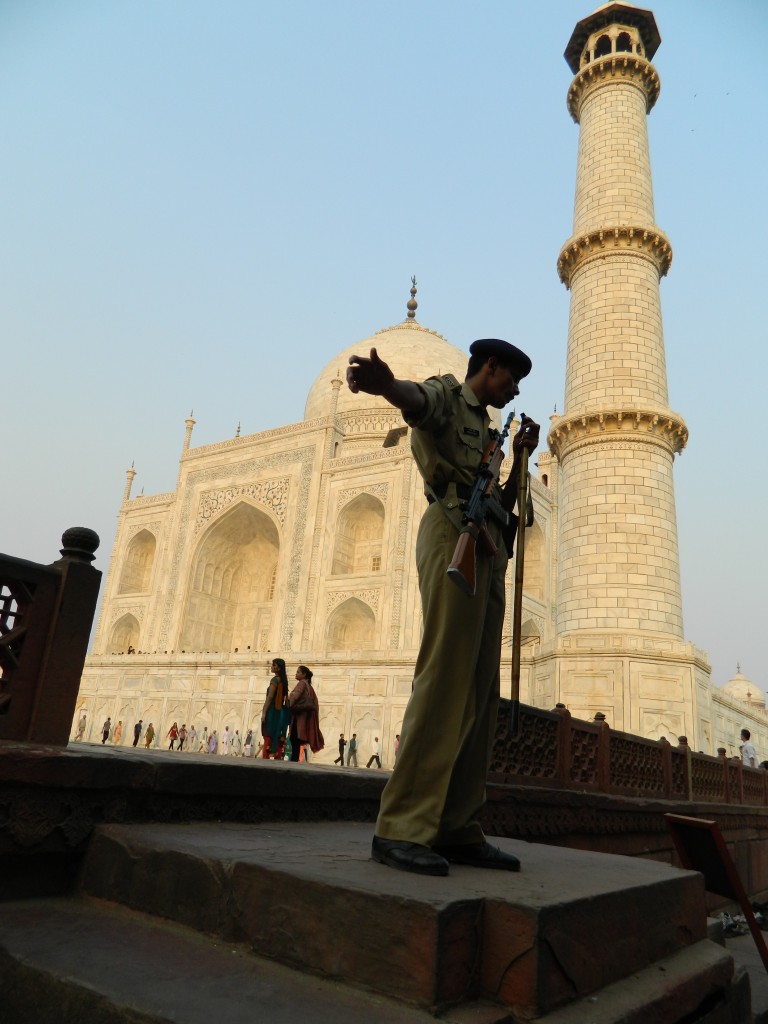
(359, 537)
(125, 634)
(535, 566)
(603, 47)
(231, 585)
(137, 565)
(351, 627)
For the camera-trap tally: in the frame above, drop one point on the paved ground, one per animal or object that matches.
(744, 952)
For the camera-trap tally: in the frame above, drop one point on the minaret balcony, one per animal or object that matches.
(649, 243)
(658, 427)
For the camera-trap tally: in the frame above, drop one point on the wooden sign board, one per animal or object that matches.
(701, 847)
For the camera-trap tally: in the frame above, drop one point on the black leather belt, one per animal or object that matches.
(463, 491)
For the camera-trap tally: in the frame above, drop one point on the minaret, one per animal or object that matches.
(618, 579)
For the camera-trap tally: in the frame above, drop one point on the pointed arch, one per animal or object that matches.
(535, 563)
(125, 634)
(351, 627)
(359, 536)
(603, 46)
(231, 585)
(138, 563)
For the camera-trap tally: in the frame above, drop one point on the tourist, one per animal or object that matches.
(305, 715)
(429, 808)
(747, 748)
(105, 731)
(118, 733)
(149, 736)
(376, 755)
(225, 740)
(275, 715)
(137, 729)
(173, 733)
(352, 752)
(342, 745)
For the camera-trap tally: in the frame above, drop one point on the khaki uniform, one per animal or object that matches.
(438, 785)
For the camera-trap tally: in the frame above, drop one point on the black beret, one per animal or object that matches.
(507, 354)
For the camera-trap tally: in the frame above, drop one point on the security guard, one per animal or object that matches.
(429, 809)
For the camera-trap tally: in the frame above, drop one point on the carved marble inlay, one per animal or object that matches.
(377, 490)
(273, 494)
(649, 243)
(337, 597)
(134, 528)
(136, 610)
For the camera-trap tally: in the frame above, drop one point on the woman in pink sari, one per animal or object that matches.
(305, 715)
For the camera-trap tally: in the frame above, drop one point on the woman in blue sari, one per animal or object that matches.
(276, 715)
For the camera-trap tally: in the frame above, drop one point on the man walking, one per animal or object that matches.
(342, 744)
(430, 805)
(352, 752)
(376, 755)
(137, 732)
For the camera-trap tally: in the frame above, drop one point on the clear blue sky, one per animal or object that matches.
(202, 201)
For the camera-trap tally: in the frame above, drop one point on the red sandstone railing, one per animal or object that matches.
(46, 612)
(561, 752)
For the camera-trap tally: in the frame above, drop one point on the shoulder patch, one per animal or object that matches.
(451, 381)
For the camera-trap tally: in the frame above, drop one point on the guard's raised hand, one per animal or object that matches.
(372, 376)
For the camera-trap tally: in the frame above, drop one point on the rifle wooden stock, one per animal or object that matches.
(463, 567)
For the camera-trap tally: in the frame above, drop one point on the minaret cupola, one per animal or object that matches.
(612, 30)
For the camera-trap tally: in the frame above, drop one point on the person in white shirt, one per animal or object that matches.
(376, 755)
(748, 752)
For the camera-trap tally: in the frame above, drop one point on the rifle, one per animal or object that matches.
(481, 505)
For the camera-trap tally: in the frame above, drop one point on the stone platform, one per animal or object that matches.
(575, 936)
(271, 861)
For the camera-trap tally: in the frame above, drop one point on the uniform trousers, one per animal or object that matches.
(437, 788)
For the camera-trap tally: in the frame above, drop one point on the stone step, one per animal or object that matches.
(308, 896)
(68, 961)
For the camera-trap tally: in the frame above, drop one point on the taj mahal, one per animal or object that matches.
(298, 542)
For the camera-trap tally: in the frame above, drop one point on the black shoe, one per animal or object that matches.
(479, 855)
(408, 857)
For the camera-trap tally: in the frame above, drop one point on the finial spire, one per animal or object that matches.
(412, 304)
(237, 432)
(130, 474)
(188, 436)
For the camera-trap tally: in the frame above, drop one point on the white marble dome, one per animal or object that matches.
(743, 689)
(413, 352)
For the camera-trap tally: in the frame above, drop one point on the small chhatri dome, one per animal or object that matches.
(743, 689)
